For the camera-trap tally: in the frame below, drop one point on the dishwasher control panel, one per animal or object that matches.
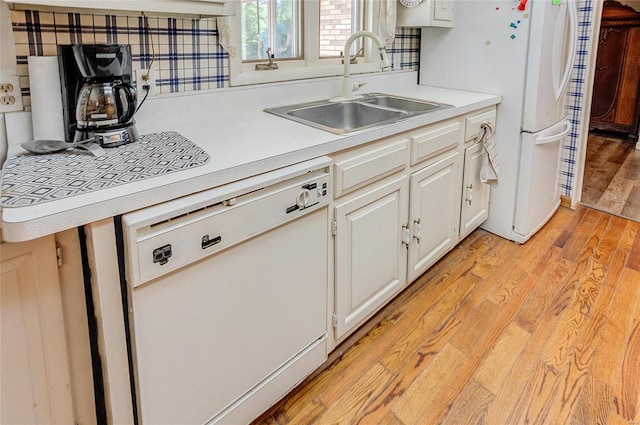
(158, 248)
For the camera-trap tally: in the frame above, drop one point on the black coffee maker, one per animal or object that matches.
(97, 96)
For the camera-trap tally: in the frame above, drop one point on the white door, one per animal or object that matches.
(475, 194)
(552, 48)
(370, 259)
(538, 189)
(35, 379)
(434, 212)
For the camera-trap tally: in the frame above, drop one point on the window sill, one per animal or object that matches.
(286, 74)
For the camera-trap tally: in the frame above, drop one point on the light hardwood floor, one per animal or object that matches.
(612, 175)
(498, 333)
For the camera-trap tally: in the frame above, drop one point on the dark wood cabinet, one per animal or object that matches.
(616, 90)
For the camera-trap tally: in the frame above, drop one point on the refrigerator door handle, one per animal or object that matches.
(559, 86)
(554, 137)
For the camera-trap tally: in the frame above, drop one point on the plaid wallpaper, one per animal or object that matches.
(576, 98)
(188, 54)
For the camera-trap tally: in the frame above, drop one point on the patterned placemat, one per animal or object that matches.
(32, 179)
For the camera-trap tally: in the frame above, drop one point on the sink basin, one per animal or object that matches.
(346, 116)
(402, 103)
(370, 110)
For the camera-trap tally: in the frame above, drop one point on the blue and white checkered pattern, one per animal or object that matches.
(188, 53)
(576, 97)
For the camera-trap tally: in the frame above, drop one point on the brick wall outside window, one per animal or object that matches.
(335, 26)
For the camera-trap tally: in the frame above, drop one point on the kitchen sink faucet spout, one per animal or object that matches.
(348, 89)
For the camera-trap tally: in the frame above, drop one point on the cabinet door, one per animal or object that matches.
(475, 194)
(35, 383)
(369, 255)
(434, 212)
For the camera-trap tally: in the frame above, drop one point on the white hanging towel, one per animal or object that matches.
(490, 164)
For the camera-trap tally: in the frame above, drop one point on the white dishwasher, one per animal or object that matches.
(227, 294)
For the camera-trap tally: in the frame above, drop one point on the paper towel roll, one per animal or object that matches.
(46, 98)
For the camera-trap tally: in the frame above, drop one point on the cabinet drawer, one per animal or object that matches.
(367, 165)
(472, 124)
(434, 140)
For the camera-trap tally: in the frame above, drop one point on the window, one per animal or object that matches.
(271, 24)
(305, 37)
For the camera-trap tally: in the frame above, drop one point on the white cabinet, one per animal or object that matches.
(434, 212)
(398, 209)
(190, 7)
(35, 383)
(475, 194)
(370, 259)
(428, 13)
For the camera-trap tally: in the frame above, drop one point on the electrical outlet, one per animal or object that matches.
(142, 81)
(7, 100)
(6, 88)
(10, 94)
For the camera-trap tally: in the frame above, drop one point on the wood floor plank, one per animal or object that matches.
(496, 367)
(575, 374)
(615, 197)
(541, 390)
(428, 386)
(405, 347)
(381, 407)
(629, 236)
(631, 207)
(517, 388)
(470, 407)
(491, 327)
(498, 254)
(559, 347)
(594, 405)
(587, 236)
(628, 390)
(590, 223)
(390, 419)
(550, 281)
(610, 240)
(631, 164)
(588, 289)
(633, 261)
(616, 419)
(570, 228)
(607, 362)
(530, 260)
(359, 395)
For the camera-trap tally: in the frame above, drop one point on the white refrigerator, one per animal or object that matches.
(527, 57)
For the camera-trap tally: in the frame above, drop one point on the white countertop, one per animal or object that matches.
(242, 140)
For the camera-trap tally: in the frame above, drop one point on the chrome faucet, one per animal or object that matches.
(348, 88)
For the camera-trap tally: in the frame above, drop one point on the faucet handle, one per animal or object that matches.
(356, 86)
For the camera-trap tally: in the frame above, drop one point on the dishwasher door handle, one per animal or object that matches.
(208, 242)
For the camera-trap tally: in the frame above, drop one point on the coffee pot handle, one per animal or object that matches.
(132, 100)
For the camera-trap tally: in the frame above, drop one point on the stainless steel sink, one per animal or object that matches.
(402, 103)
(370, 110)
(346, 116)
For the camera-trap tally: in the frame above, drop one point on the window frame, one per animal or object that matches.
(312, 66)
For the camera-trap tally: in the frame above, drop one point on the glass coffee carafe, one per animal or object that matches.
(105, 104)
